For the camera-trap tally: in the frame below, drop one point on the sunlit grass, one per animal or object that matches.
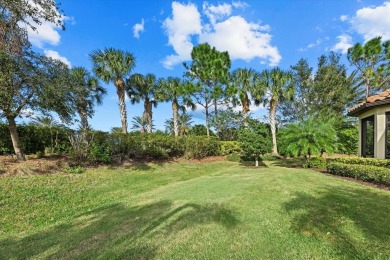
(217, 210)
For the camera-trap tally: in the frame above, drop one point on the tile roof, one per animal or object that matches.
(371, 99)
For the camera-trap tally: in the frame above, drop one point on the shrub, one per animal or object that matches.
(229, 147)
(74, 169)
(316, 162)
(199, 147)
(233, 157)
(362, 161)
(368, 173)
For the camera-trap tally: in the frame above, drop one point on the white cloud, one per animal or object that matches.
(216, 12)
(240, 5)
(185, 22)
(311, 45)
(372, 22)
(242, 39)
(55, 55)
(138, 28)
(343, 18)
(344, 43)
(45, 33)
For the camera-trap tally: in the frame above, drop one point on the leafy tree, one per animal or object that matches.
(184, 124)
(229, 123)
(46, 121)
(275, 86)
(144, 88)
(255, 140)
(210, 70)
(113, 65)
(310, 137)
(177, 91)
(200, 130)
(326, 94)
(86, 91)
(244, 82)
(372, 61)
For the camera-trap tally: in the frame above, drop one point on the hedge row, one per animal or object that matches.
(380, 175)
(363, 161)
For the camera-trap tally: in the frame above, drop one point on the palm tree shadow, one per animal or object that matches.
(336, 214)
(117, 231)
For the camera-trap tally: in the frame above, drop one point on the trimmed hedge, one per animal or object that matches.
(380, 175)
(362, 161)
(199, 147)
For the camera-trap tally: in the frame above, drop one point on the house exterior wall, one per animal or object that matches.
(379, 114)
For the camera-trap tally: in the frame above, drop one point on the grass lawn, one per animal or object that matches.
(214, 210)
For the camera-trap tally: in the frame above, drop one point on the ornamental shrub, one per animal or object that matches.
(198, 147)
(362, 161)
(380, 175)
(229, 147)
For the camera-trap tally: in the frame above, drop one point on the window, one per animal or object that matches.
(368, 137)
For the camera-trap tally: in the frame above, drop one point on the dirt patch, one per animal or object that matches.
(9, 166)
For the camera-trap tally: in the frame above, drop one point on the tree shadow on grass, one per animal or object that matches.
(355, 221)
(289, 162)
(117, 231)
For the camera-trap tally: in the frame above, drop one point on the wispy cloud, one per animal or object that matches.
(138, 28)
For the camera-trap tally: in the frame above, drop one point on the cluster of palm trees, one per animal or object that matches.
(246, 87)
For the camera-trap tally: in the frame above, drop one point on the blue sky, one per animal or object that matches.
(258, 34)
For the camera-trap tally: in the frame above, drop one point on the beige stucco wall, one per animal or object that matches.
(379, 130)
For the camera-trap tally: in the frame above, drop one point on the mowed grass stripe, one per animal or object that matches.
(188, 210)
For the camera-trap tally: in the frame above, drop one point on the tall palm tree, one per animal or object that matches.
(144, 88)
(184, 124)
(244, 82)
(175, 90)
(86, 92)
(274, 87)
(113, 65)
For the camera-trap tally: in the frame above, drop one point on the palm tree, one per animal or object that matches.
(175, 90)
(184, 124)
(142, 87)
(274, 87)
(140, 123)
(86, 92)
(244, 82)
(310, 137)
(45, 121)
(113, 65)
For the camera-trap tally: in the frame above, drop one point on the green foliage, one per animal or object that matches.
(363, 161)
(199, 130)
(368, 173)
(230, 147)
(316, 162)
(234, 157)
(310, 137)
(36, 139)
(348, 139)
(372, 61)
(198, 147)
(255, 140)
(228, 123)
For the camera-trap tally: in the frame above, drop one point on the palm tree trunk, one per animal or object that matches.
(84, 120)
(120, 91)
(175, 117)
(148, 112)
(15, 139)
(245, 110)
(272, 122)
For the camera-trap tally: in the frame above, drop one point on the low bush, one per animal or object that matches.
(380, 175)
(198, 147)
(316, 162)
(233, 157)
(362, 161)
(230, 147)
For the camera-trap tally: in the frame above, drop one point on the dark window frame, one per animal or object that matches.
(364, 135)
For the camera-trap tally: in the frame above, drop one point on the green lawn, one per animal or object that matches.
(217, 210)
